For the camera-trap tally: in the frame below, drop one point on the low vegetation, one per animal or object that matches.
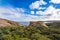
(29, 33)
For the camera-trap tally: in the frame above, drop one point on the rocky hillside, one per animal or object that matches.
(37, 23)
(4, 22)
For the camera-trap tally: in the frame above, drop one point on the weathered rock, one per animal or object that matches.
(35, 23)
(4, 22)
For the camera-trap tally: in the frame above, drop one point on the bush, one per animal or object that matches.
(29, 33)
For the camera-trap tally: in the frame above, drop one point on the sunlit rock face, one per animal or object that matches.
(38, 23)
(5, 22)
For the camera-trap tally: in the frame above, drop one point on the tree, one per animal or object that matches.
(38, 36)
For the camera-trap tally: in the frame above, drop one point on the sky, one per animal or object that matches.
(30, 10)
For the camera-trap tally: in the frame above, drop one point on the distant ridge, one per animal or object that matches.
(36, 23)
(5, 22)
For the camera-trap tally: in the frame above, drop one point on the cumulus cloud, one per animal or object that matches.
(15, 14)
(55, 1)
(55, 13)
(10, 13)
(48, 10)
(32, 12)
(20, 10)
(37, 4)
(50, 13)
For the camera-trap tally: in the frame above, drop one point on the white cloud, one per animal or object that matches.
(20, 10)
(10, 13)
(18, 15)
(40, 12)
(51, 13)
(32, 12)
(34, 5)
(13, 14)
(55, 1)
(37, 4)
(41, 8)
(48, 10)
(54, 13)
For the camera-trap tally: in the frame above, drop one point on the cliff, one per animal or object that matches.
(37, 23)
(5, 22)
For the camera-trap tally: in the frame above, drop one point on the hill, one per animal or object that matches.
(5, 22)
(35, 31)
(38, 23)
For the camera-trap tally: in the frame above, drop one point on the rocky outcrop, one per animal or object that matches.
(37, 23)
(4, 22)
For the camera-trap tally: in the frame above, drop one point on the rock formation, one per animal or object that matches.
(36, 23)
(4, 22)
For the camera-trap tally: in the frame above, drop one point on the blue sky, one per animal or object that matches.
(30, 10)
(17, 3)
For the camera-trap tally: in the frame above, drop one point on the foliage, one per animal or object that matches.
(29, 33)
